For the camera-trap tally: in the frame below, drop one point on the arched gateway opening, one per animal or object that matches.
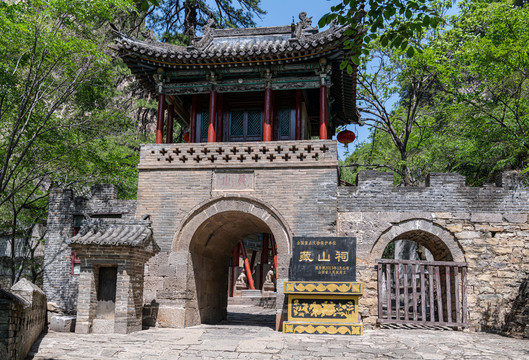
(421, 276)
(210, 235)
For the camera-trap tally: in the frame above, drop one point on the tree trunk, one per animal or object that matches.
(190, 20)
(405, 170)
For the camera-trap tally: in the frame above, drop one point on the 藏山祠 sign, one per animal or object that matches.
(323, 259)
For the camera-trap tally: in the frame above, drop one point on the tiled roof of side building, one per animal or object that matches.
(134, 233)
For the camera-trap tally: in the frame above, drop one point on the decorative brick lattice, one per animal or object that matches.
(245, 154)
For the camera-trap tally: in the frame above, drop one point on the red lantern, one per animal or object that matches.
(186, 137)
(346, 137)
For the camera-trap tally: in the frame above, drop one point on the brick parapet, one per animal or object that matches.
(238, 155)
(443, 193)
(22, 319)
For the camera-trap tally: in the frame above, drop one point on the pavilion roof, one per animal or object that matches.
(248, 47)
(272, 45)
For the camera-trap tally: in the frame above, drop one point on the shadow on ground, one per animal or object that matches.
(242, 318)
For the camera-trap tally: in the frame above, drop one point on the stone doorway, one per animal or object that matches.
(211, 240)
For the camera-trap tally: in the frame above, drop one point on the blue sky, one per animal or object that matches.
(280, 12)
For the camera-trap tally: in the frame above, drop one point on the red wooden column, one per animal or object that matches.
(212, 115)
(170, 114)
(267, 129)
(193, 120)
(160, 119)
(234, 265)
(323, 111)
(298, 114)
(218, 125)
(247, 266)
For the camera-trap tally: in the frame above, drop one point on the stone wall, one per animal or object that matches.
(59, 284)
(486, 227)
(22, 319)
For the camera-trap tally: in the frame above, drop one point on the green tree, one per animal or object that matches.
(482, 69)
(473, 117)
(59, 114)
(393, 23)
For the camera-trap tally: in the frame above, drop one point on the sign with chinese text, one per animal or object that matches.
(323, 259)
(233, 181)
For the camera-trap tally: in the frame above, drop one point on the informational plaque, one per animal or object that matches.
(323, 259)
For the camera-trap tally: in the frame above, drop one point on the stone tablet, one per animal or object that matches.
(323, 259)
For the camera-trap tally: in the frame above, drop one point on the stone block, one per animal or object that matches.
(62, 323)
(170, 316)
(460, 216)
(500, 250)
(515, 218)
(486, 218)
(455, 228)
(464, 235)
(442, 215)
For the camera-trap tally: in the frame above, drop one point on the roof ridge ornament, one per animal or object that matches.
(303, 25)
(207, 34)
(93, 225)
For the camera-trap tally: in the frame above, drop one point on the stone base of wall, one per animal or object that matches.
(517, 321)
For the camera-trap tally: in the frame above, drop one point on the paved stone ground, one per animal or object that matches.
(245, 336)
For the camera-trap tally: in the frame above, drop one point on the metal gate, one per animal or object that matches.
(422, 292)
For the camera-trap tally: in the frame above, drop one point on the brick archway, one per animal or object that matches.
(439, 241)
(205, 241)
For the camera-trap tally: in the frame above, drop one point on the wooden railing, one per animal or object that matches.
(422, 292)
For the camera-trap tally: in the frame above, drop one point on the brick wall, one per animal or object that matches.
(59, 285)
(22, 319)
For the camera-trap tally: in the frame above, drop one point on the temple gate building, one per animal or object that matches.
(219, 212)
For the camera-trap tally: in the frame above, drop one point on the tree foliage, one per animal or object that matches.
(396, 24)
(473, 118)
(59, 115)
(482, 66)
